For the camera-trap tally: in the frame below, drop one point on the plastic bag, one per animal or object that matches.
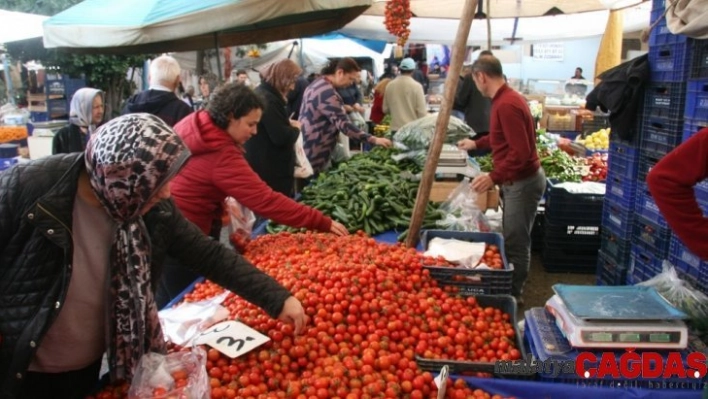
(418, 134)
(177, 375)
(241, 223)
(183, 323)
(461, 211)
(465, 254)
(358, 120)
(681, 295)
(341, 151)
(303, 168)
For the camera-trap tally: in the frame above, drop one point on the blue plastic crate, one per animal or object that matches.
(685, 260)
(58, 108)
(618, 219)
(656, 13)
(654, 238)
(699, 59)
(691, 127)
(661, 35)
(643, 265)
(623, 160)
(647, 160)
(616, 248)
(609, 271)
(658, 5)
(39, 116)
(621, 189)
(702, 281)
(7, 163)
(669, 61)
(660, 135)
(697, 99)
(665, 100)
(646, 207)
(701, 190)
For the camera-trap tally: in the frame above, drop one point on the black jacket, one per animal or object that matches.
(164, 104)
(621, 92)
(69, 139)
(271, 152)
(474, 105)
(36, 204)
(295, 97)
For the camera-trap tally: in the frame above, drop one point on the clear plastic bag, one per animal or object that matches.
(241, 221)
(461, 211)
(418, 134)
(177, 375)
(303, 168)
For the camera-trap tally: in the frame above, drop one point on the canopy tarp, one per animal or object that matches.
(16, 26)
(524, 30)
(152, 26)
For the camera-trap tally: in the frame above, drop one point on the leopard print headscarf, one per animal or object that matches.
(128, 160)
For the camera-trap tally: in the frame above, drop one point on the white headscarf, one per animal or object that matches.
(81, 110)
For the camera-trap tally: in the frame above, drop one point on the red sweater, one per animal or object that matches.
(218, 169)
(377, 113)
(671, 184)
(512, 138)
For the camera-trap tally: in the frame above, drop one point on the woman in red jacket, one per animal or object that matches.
(218, 169)
(377, 113)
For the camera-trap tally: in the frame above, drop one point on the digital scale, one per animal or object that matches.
(617, 317)
(453, 161)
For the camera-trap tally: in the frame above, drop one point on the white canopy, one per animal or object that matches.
(538, 29)
(16, 26)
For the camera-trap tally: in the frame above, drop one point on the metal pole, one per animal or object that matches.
(8, 79)
(431, 163)
(218, 57)
(489, 27)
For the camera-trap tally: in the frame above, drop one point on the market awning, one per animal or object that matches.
(152, 26)
(16, 26)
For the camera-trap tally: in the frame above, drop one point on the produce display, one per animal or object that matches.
(12, 133)
(596, 168)
(397, 19)
(372, 309)
(369, 192)
(599, 140)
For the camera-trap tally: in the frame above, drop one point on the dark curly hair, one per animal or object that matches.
(232, 100)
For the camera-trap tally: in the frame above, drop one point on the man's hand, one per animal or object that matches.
(381, 141)
(482, 183)
(338, 229)
(293, 313)
(467, 145)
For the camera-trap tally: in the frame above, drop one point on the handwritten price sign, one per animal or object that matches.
(232, 338)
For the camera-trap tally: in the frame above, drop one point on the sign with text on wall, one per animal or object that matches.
(548, 51)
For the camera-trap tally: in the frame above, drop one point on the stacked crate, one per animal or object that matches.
(55, 102)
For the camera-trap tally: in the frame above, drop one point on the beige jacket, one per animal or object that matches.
(404, 100)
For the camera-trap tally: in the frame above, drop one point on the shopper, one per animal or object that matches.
(85, 114)
(512, 139)
(82, 241)
(295, 97)
(404, 99)
(352, 98)
(377, 113)
(160, 99)
(322, 115)
(218, 169)
(475, 106)
(271, 152)
(242, 77)
(671, 182)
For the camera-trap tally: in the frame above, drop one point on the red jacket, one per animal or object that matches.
(218, 169)
(671, 183)
(377, 113)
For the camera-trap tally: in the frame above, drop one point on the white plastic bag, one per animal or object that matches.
(183, 323)
(461, 211)
(241, 221)
(463, 253)
(180, 374)
(303, 169)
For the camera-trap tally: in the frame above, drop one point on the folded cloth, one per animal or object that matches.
(688, 17)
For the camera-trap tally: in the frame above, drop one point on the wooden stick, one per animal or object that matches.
(431, 163)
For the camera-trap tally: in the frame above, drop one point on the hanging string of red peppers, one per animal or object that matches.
(397, 19)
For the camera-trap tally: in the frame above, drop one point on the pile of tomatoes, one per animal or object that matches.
(372, 309)
(596, 165)
(397, 17)
(492, 257)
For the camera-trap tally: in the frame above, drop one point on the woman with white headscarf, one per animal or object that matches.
(85, 114)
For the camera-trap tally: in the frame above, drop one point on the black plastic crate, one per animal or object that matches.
(653, 238)
(609, 271)
(669, 61)
(621, 189)
(582, 235)
(647, 160)
(691, 127)
(697, 99)
(568, 260)
(595, 123)
(471, 281)
(699, 59)
(618, 219)
(538, 231)
(623, 160)
(564, 207)
(615, 247)
(660, 135)
(665, 100)
(506, 304)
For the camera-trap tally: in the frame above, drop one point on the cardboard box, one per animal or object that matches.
(442, 189)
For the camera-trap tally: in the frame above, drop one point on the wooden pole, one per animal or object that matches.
(489, 27)
(431, 163)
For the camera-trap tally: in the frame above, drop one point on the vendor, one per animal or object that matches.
(578, 74)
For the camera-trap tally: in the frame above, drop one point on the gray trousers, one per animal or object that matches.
(521, 199)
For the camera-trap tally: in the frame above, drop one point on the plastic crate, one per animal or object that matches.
(697, 99)
(647, 160)
(685, 260)
(699, 59)
(661, 35)
(665, 100)
(570, 234)
(701, 190)
(609, 271)
(658, 5)
(616, 248)
(669, 58)
(471, 281)
(691, 127)
(39, 116)
(661, 136)
(623, 160)
(538, 231)
(58, 108)
(506, 304)
(564, 207)
(594, 123)
(562, 259)
(618, 219)
(643, 265)
(702, 281)
(653, 238)
(63, 86)
(646, 207)
(621, 189)
(7, 163)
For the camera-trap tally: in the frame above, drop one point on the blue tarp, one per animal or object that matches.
(373, 45)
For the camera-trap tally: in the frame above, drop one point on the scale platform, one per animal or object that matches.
(617, 334)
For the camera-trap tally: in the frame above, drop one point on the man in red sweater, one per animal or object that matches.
(517, 169)
(671, 182)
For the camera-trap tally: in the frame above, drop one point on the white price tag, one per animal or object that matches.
(441, 381)
(232, 338)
